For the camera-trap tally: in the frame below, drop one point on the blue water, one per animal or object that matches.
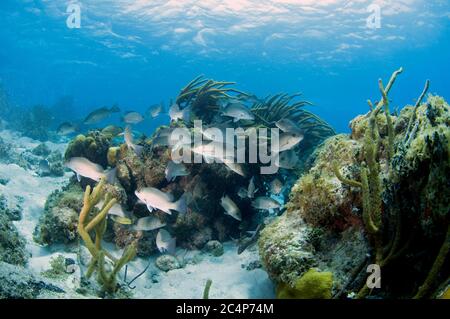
(137, 53)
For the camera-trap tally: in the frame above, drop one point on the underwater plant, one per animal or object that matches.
(89, 222)
(282, 106)
(376, 196)
(202, 96)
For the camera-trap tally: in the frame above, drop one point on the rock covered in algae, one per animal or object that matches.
(214, 247)
(21, 283)
(319, 197)
(12, 244)
(167, 263)
(93, 146)
(58, 224)
(323, 226)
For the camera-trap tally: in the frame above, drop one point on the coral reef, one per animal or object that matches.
(11, 209)
(167, 263)
(93, 146)
(20, 283)
(12, 244)
(381, 192)
(58, 223)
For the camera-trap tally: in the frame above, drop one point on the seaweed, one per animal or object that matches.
(386, 233)
(279, 106)
(203, 96)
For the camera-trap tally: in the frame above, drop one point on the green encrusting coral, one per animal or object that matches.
(93, 146)
(311, 285)
(95, 221)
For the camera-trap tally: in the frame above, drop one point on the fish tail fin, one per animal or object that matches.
(181, 204)
(110, 175)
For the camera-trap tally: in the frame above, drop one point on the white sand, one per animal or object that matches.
(230, 279)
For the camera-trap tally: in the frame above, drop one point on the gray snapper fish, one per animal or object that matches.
(289, 140)
(84, 167)
(148, 223)
(230, 208)
(265, 203)
(44, 167)
(173, 170)
(287, 159)
(249, 241)
(100, 114)
(112, 130)
(66, 128)
(156, 199)
(132, 117)
(155, 109)
(117, 213)
(165, 242)
(251, 188)
(176, 113)
(242, 192)
(276, 186)
(238, 112)
(235, 167)
(129, 141)
(288, 126)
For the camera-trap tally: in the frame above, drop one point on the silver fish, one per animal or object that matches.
(84, 167)
(215, 152)
(44, 167)
(251, 188)
(289, 140)
(175, 169)
(238, 112)
(100, 114)
(276, 186)
(242, 193)
(148, 223)
(235, 167)
(165, 242)
(288, 126)
(249, 241)
(132, 118)
(176, 113)
(156, 199)
(66, 128)
(230, 208)
(115, 210)
(129, 141)
(287, 159)
(112, 130)
(265, 203)
(155, 110)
